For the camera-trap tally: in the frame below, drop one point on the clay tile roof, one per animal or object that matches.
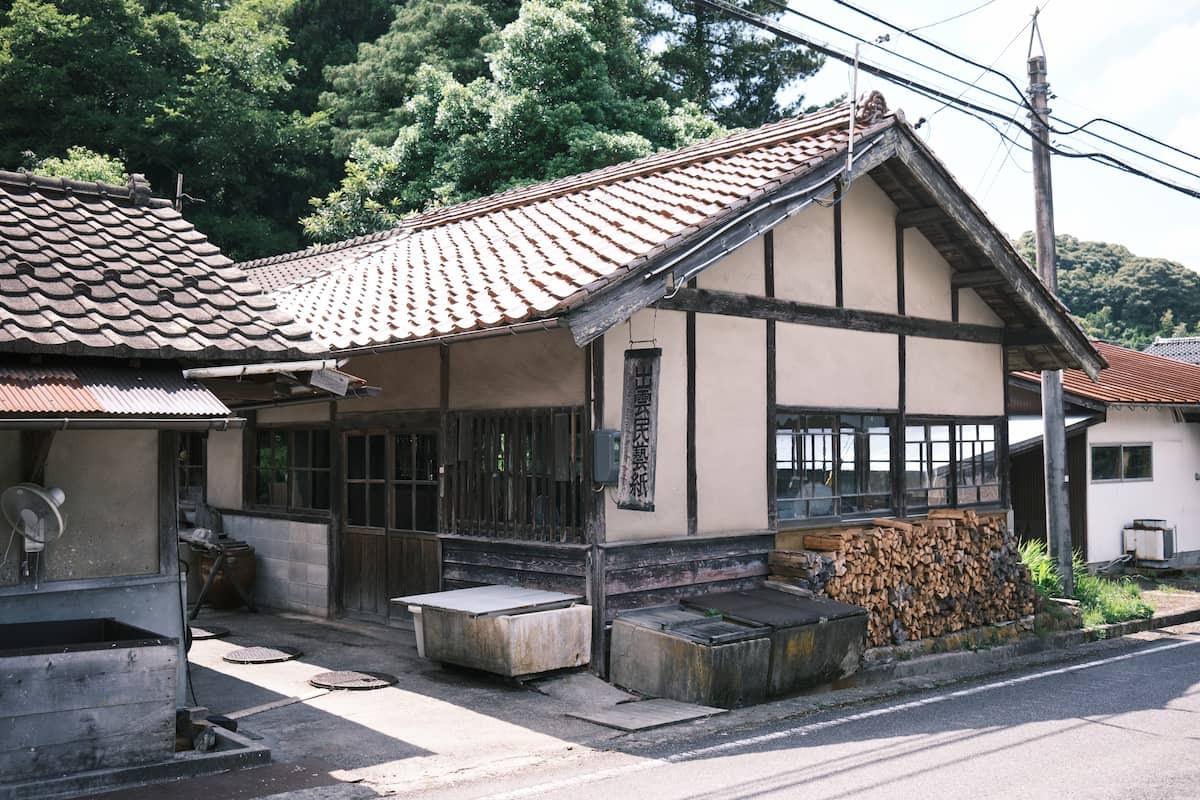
(1180, 348)
(104, 391)
(526, 253)
(93, 269)
(1133, 378)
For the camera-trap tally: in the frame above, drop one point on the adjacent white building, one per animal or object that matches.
(1133, 452)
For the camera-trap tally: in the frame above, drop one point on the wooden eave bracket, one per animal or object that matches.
(927, 171)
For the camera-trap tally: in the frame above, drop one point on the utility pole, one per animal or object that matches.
(1054, 442)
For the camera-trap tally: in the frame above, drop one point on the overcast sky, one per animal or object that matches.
(1132, 62)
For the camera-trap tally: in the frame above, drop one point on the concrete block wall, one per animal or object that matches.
(292, 561)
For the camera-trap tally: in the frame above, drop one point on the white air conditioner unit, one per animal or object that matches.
(1154, 544)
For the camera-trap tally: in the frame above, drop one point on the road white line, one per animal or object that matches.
(813, 727)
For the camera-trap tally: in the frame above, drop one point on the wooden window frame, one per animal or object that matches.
(389, 481)
(290, 470)
(898, 464)
(182, 468)
(862, 470)
(522, 499)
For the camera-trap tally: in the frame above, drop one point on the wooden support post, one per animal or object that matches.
(769, 291)
(1058, 517)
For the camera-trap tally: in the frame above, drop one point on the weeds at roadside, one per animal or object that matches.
(1102, 600)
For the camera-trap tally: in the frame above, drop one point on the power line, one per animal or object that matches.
(990, 70)
(951, 19)
(975, 110)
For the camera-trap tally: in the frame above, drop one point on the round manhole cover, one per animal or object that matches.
(261, 655)
(346, 679)
(210, 632)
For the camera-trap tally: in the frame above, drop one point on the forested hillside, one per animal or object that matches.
(1122, 298)
(350, 114)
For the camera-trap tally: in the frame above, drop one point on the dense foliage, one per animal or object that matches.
(571, 89)
(259, 102)
(1122, 298)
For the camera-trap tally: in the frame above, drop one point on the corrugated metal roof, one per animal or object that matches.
(104, 391)
(1133, 378)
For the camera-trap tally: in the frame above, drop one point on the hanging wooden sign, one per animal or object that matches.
(639, 429)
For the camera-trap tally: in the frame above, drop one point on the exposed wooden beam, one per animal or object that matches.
(733, 304)
(974, 280)
(920, 216)
(968, 218)
(619, 300)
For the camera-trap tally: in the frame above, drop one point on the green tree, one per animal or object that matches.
(87, 72)
(1120, 297)
(368, 96)
(325, 33)
(571, 90)
(734, 71)
(81, 164)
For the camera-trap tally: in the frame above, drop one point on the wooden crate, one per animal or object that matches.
(78, 695)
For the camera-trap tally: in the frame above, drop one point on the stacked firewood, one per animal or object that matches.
(930, 577)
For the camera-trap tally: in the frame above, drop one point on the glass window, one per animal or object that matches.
(292, 468)
(832, 465)
(1122, 462)
(415, 482)
(1136, 462)
(192, 446)
(927, 466)
(366, 480)
(977, 477)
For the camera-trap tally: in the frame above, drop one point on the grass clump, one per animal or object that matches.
(1042, 569)
(1102, 600)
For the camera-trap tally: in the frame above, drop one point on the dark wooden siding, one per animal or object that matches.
(1029, 492)
(637, 575)
(470, 561)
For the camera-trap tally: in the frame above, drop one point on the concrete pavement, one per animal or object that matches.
(457, 734)
(1122, 722)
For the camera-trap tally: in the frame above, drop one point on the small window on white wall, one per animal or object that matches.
(1122, 462)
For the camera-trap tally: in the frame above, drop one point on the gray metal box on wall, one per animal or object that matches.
(689, 656)
(79, 695)
(813, 641)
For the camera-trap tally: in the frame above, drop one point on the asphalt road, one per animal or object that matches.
(1112, 726)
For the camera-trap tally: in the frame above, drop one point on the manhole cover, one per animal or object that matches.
(261, 655)
(211, 632)
(345, 679)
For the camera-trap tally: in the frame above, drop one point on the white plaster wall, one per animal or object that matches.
(804, 257)
(740, 271)
(408, 380)
(523, 371)
(869, 248)
(820, 367)
(731, 402)
(926, 278)
(225, 469)
(1173, 494)
(306, 413)
(669, 517)
(946, 377)
(973, 310)
(111, 482)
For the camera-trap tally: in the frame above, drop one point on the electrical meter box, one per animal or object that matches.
(606, 455)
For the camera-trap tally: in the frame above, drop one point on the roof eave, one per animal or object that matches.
(920, 161)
